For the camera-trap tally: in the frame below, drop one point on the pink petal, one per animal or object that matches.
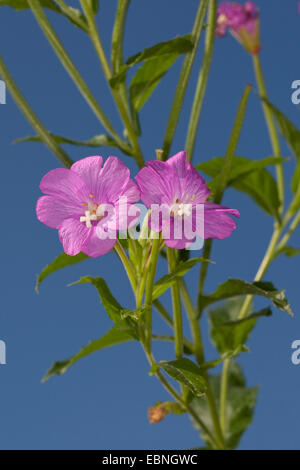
(95, 247)
(174, 235)
(178, 164)
(194, 185)
(127, 216)
(217, 222)
(114, 179)
(52, 212)
(73, 234)
(65, 185)
(131, 191)
(155, 189)
(89, 169)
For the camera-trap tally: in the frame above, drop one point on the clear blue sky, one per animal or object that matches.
(101, 403)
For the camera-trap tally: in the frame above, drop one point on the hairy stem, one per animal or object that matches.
(176, 302)
(118, 35)
(37, 125)
(73, 72)
(127, 265)
(149, 292)
(184, 79)
(70, 13)
(180, 400)
(122, 108)
(271, 127)
(199, 354)
(223, 395)
(202, 80)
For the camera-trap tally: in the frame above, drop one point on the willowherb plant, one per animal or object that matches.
(93, 205)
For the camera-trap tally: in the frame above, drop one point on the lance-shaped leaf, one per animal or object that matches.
(114, 310)
(147, 78)
(186, 372)
(292, 136)
(101, 140)
(239, 409)
(288, 251)
(73, 14)
(288, 130)
(250, 177)
(62, 261)
(176, 46)
(237, 287)
(116, 335)
(228, 333)
(166, 281)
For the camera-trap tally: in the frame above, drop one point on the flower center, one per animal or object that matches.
(93, 212)
(180, 209)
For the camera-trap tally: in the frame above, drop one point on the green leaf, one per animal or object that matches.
(116, 335)
(114, 310)
(296, 178)
(186, 347)
(288, 130)
(62, 261)
(111, 305)
(166, 281)
(288, 251)
(179, 45)
(147, 78)
(241, 401)
(292, 136)
(231, 148)
(250, 177)
(186, 372)
(237, 287)
(228, 333)
(51, 5)
(94, 5)
(101, 140)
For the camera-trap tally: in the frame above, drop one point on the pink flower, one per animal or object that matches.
(243, 23)
(178, 188)
(78, 200)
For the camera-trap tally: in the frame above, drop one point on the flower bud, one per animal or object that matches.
(242, 22)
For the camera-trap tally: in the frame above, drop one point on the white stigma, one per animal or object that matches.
(87, 218)
(181, 210)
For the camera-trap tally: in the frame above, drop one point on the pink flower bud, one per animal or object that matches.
(242, 22)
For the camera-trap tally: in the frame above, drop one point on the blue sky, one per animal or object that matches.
(101, 403)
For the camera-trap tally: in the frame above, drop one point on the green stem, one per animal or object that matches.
(165, 315)
(118, 35)
(184, 79)
(73, 72)
(263, 267)
(32, 117)
(199, 354)
(290, 231)
(271, 127)
(194, 322)
(223, 179)
(122, 108)
(202, 80)
(70, 13)
(127, 265)
(223, 395)
(180, 400)
(149, 291)
(176, 302)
